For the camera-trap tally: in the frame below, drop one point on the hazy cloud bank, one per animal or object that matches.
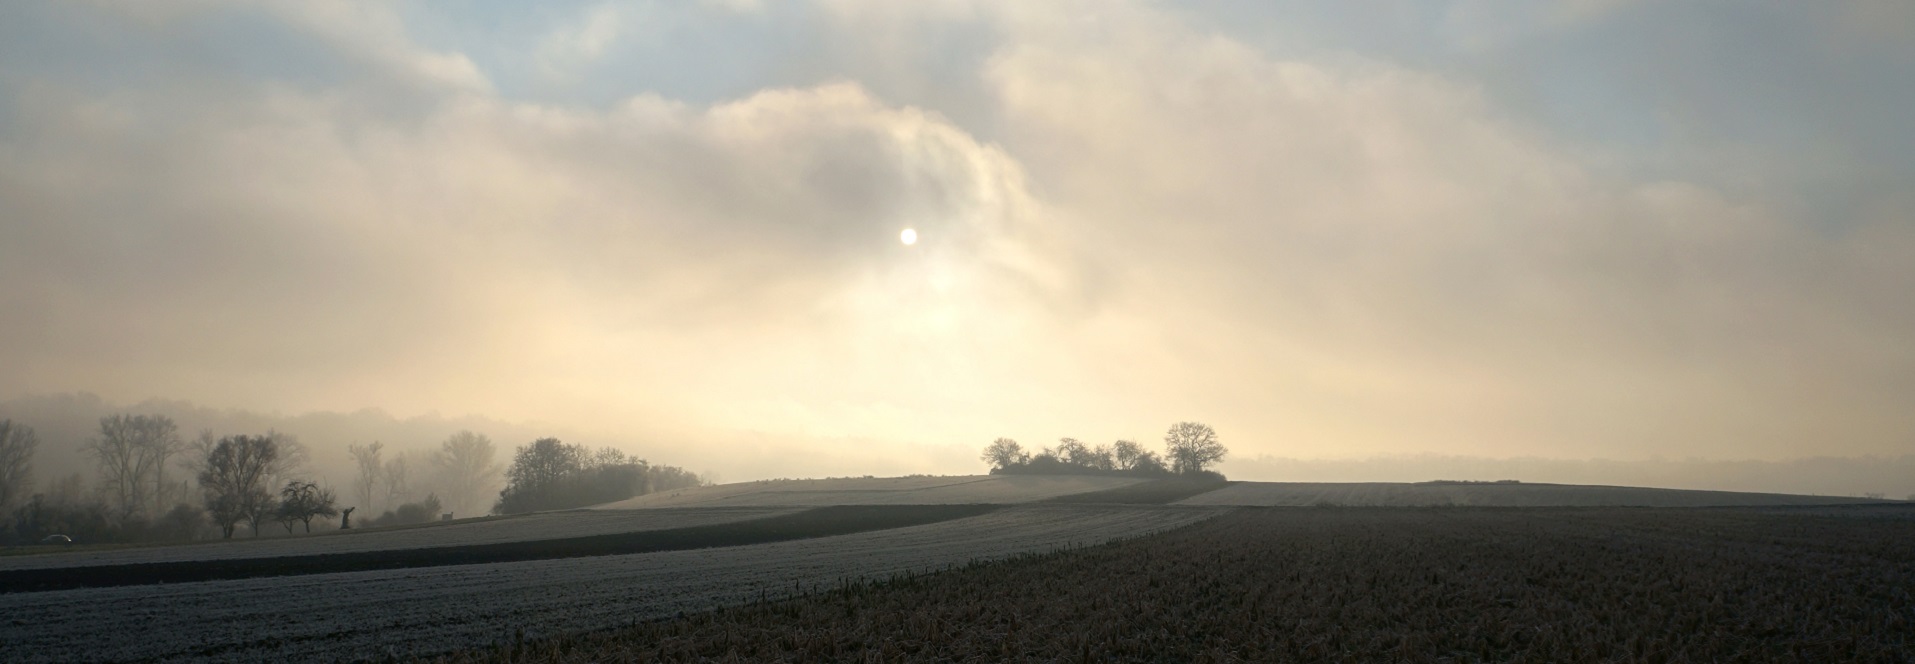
(1128, 220)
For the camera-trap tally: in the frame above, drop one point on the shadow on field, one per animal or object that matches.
(820, 522)
(1154, 492)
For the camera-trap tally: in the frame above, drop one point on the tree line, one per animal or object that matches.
(1190, 448)
(549, 475)
(259, 480)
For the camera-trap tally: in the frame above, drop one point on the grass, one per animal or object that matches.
(820, 522)
(1361, 584)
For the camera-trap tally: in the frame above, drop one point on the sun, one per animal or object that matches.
(908, 237)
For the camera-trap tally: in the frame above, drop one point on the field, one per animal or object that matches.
(1154, 492)
(519, 528)
(1435, 494)
(1361, 584)
(370, 614)
(721, 504)
(1026, 566)
(816, 522)
(958, 490)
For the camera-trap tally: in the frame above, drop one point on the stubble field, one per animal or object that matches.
(353, 615)
(494, 530)
(946, 490)
(1361, 584)
(1490, 494)
(797, 570)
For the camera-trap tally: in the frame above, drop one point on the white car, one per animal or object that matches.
(57, 539)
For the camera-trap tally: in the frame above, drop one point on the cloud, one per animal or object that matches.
(278, 246)
(1478, 25)
(583, 42)
(1385, 260)
(1136, 222)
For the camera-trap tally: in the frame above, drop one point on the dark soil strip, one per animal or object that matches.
(1154, 492)
(821, 522)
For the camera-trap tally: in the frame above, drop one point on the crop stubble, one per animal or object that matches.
(1434, 494)
(369, 614)
(517, 528)
(1364, 584)
(942, 490)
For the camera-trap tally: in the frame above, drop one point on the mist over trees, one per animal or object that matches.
(301, 502)
(233, 478)
(468, 467)
(252, 479)
(548, 474)
(17, 443)
(139, 478)
(289, 461)
(371, 464)
(1190, 447)
(395, 481)
(131, 453)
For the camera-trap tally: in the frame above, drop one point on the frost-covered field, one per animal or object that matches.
(538, 526)
(1273, 494)
(369, 614)
(995, 489)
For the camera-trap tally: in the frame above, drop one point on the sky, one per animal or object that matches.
(1572, 229)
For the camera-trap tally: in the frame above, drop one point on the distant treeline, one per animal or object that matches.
(1189, 449)
(551, 475)
(1472, 482)
(152, 484)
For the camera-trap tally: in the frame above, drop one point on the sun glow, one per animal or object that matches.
(908, 237)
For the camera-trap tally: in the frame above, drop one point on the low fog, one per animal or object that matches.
(1512, 246)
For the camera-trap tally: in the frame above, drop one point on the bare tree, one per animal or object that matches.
(537, 471)
(233, 478)
(1191, 446)
(1147, 463)
(1124, 454)
(302, 502)
(1073, 451)
(1005, 453)
(394, 479)
(17, 443)
(163, 442)
(467, 466)
(371, 466)
(609, 456)
(120, 462)
(289, 461)
(129, 450)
